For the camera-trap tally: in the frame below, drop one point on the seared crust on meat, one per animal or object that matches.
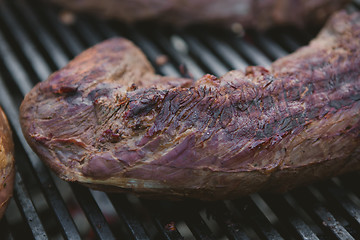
(7, 166)
(107, 121)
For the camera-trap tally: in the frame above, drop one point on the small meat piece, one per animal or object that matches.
(107, 121)
(7, 167)
(246, 13)
(161, 60)
(67, 18)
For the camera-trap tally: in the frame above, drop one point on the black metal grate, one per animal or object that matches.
(34, 42)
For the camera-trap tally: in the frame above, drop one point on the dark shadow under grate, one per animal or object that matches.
(34, 43)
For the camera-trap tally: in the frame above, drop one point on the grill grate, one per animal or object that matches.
(34, 43)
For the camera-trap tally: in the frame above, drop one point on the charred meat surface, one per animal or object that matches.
(248, 13)
(7, 166)
(107, 121)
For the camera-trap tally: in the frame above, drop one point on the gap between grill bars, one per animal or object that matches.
(34, 42)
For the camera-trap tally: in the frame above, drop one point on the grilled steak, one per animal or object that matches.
(107, 121)
(7, 168)
(255, 14)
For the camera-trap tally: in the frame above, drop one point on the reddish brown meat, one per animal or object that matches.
(105, 120)
(7, 166)
(249, 13)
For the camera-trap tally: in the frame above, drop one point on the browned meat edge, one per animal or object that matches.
(107, 121)
(249, 13)
(7, 167)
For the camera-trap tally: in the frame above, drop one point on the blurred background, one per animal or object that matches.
(37, 38)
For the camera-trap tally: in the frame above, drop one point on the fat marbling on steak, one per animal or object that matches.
(249, 13)
(107, 121)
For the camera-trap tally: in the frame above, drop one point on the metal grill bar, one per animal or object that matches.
(180, 56)
(70, 41)
(289, 218)
(198, 227)
(85, 199)
(288, 42)
(134, 227)
(225, 52)
(51, 192)
(164, 220)
(227, 220)
(47, 41)
(33, 43)
(125, 211)
(87, 32)
(153, 53)
(13, 66)
(320, 213)
(28, 210)
(260, 223)
(37, 63)
(93, 213)
(340, 202)
(272, 49)
(48, 186)
(212, 64)
(252, 54)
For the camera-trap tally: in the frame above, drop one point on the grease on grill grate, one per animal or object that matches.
(36, 39)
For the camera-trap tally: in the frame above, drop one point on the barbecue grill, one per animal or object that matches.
(37, 39)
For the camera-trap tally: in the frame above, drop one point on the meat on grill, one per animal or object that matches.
(107, 121)
(7, 167)
(249, 13)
